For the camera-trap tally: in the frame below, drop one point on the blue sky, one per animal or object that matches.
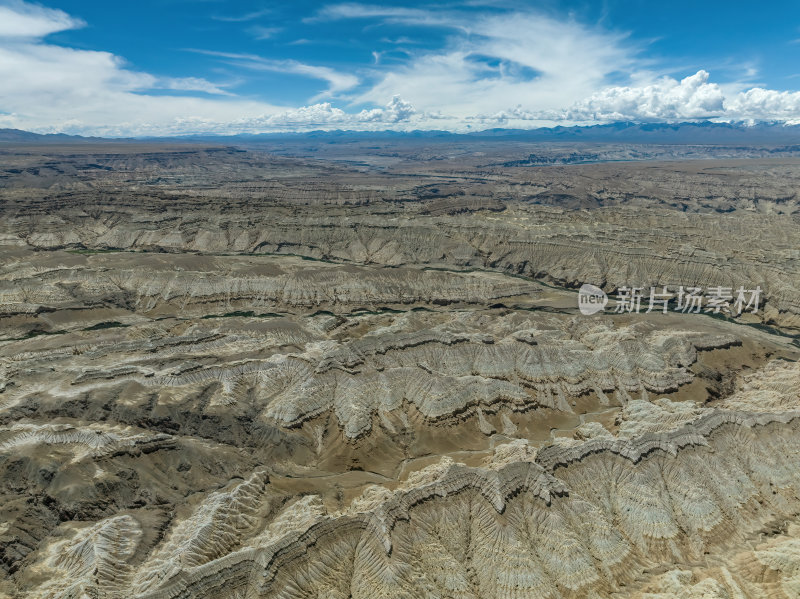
(185, 66)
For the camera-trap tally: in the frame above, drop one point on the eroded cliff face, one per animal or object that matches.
(227, 374)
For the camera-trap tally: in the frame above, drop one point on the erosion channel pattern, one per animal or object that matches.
(335, 371)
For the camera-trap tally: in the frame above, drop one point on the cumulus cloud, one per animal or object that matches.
(665, 100)
(395, 111)
(670, 100)
(316, 115)
(765, 104)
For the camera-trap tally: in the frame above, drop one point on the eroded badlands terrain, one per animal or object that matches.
(291, 371)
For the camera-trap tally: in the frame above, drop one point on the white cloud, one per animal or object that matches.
(765, 104)
(337, 81)
(665, 100)
(323, 116)
(551, 70)
(22, 20)
(51, 88)
(316, 116)
(670, 100)
(396, 110)
(538, 61)
(355, 10)
(251, 16)
(262, 33)
(188, 84)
